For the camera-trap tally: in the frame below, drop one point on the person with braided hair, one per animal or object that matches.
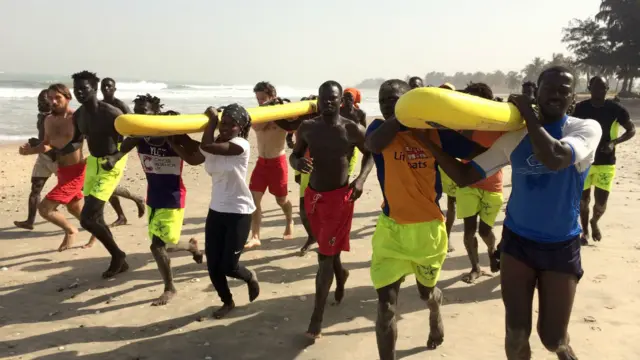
(162, 160)
(271, 170)
(226, 158)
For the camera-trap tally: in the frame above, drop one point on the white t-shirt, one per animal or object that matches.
(229, 191)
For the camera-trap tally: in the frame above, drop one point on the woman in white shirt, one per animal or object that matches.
(229, 219)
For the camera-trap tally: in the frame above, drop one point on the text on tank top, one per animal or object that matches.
(163, 168)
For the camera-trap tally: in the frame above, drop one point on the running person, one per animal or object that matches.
(483, 199)
(410, 236)
(271, 170)
(44, 167)
(62, 135)
(329, 197)
(416, 82)
(540, 244)
(96, 120)
(610, 115)
(229, 218)
(108, 89)
(162, 161)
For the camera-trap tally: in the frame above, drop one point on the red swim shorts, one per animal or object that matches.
(272, 174)
(69, 187)
(330, 214)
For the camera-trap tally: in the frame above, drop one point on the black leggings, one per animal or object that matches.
(225, 237)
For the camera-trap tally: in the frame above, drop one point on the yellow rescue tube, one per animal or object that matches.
(427, 108)
(165, 125)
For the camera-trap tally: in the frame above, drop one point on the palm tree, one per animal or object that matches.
(513, 80)
(533, 70)
(622, 18)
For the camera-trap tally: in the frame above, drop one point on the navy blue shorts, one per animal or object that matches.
(563, 257)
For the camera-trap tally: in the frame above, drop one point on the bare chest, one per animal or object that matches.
(60, 130)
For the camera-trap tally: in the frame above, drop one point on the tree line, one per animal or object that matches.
(606, 45)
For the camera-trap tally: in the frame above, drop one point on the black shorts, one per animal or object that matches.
(563, 257)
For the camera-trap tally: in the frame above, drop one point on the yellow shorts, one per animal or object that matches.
(448, 186)
(304, 182)
(600, 176)
(403, 249)
(99, 182)
(165, 224)
(353, 161)
(473, 201)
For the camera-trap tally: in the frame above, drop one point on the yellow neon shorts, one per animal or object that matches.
(403, 249)
(304, 182)
(448, 186)
(472, 201)
(99, 182)
(353, 161)
(600, 176)
(166, 224)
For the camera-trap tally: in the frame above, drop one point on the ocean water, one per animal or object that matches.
(18, 99)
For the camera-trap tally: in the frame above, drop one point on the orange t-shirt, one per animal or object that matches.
(486, 138)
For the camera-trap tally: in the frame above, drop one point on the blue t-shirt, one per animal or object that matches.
(544, 205)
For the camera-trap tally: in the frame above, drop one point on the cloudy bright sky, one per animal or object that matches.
(288, 42)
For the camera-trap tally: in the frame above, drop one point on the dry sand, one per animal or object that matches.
(55, 305)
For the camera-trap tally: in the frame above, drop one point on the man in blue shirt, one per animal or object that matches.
(550, 159)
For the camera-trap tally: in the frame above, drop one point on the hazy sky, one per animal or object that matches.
(301, 42)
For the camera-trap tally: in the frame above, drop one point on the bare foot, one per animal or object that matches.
(340, 281)
(141, 208)
(164, 298)
(314, 331)
(69, 239)
(436, 330)
(119, 221)
(584, 239)
(288, 232)
(494, 261)
(595, 229)
(472, 276)
(307, 245)
(254, 286)
(23, 225)
(118, 265)
(90, 244)
(254, 242)
(197, 253)
(224, 310)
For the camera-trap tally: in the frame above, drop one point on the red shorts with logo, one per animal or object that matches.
(330, 214)
(272, 174)
(70, 182)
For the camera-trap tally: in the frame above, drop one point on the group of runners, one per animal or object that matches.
(552, 175)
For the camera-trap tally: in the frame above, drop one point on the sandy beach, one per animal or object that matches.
(55, 306)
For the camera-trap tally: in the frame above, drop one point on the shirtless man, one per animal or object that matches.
(610, 115)
(416, 82)
(61, 134)
(329, 198)
(108, 89)
(96, 120)
(271, 170)
(44, 167)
